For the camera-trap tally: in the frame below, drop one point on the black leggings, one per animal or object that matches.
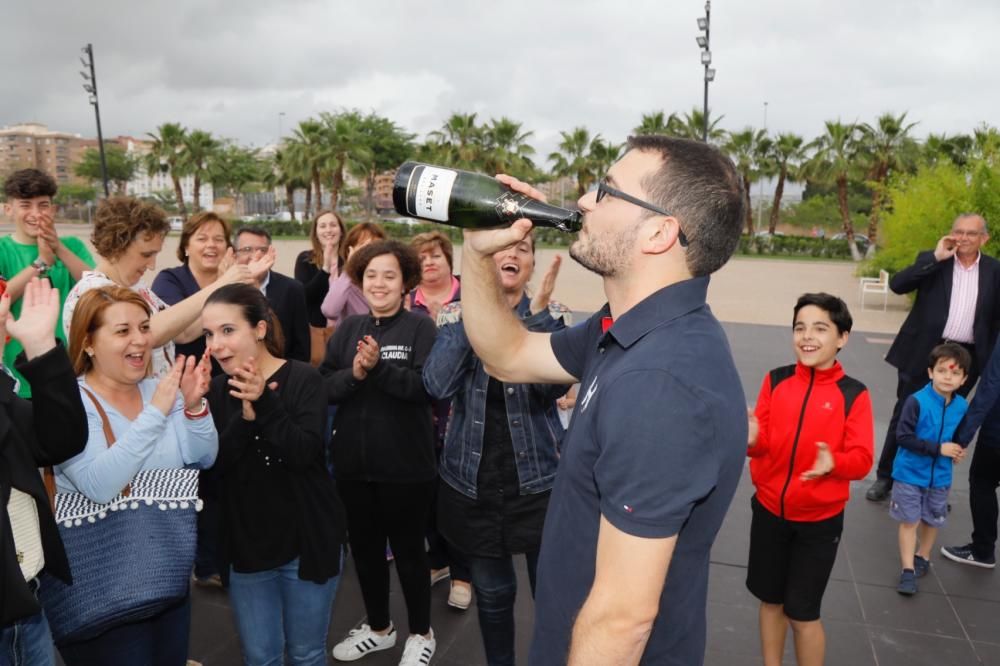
(397, 512)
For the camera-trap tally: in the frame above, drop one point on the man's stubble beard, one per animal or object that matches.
(608, 255)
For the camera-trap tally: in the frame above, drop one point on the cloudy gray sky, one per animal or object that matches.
(232, 66)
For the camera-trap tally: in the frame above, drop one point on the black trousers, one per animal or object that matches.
(984, 478)
(906, 387)
(396, 512)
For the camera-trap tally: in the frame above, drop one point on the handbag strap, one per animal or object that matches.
(109, 434)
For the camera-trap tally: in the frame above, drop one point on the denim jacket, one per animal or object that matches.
(454, 371)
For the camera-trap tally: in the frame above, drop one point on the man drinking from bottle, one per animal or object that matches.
(651, 463)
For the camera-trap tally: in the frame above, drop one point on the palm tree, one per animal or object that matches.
(956, 148)
(165, 155)
(506, 149)
(343, 148)
(744, 148)
(692, 126)
(461, 142)
(286, 172)
(199, 150)
(603, 154)
(986, 144)
(573, 159)
(388, 146)
(658, 123)
(834, 163)
(305, 152)
(787, 154)
(887, 147)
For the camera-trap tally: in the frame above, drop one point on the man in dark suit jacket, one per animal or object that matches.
(957, 288)
(286, 295)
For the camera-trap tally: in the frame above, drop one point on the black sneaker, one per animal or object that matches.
(964, 555)
(920, 566)
(879, 490)
(907, 583)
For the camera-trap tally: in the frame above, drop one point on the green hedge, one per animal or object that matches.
(794, 246)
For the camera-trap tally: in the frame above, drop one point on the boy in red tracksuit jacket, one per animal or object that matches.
(811, 434)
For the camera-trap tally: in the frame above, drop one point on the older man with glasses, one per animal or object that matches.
(957, 287)
(286, 295)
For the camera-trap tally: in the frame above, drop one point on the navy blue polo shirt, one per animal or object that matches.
(656, 446)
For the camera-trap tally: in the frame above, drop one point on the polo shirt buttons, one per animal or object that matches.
(600, 348)
(522, 454)
(510, 390)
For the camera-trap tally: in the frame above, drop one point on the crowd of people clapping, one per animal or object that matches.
(250, 430)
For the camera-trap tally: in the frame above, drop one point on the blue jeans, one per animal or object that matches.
(277, 612)
(159, 641)
(495, 582)
(27, 642)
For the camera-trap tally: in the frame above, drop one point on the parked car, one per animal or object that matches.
(176, 222)
(862, 241)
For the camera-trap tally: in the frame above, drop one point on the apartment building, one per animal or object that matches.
(33, 145)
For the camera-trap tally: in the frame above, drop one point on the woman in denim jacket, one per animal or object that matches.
(500, 454)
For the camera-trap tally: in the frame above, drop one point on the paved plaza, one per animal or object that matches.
(953, 621)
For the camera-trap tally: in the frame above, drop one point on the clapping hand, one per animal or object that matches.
(47, 233)
(330, 259)
(247, 384)
(365, 357)
(547, 286)
(260, 267)
(823, 464)
(195, 380)
(166, 391)
(35, 328)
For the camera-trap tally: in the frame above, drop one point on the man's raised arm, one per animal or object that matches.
(509, 351)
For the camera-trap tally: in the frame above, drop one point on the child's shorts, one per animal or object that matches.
(910, 504)
(790, 561)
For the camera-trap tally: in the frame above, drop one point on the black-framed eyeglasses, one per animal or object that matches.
(603, 190)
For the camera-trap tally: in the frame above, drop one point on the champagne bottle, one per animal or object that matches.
(470, 200)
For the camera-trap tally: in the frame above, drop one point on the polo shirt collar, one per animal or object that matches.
(657, 309)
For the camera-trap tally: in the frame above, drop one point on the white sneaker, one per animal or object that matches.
(360, 642)
(418, 650)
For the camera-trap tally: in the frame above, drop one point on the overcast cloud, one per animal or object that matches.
(231, 66)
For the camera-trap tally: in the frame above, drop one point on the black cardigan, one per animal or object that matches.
(382, 431)
(291, 420)
(316, 283)
(48, 430)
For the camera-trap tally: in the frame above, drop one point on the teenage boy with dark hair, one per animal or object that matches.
(34, 250)
(811, 434)
(921, 471)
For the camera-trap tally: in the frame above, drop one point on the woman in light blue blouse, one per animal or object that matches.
(157, 424)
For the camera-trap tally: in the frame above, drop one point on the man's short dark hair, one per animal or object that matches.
(256, 231)
(702, 189)
(833, 306)
(951, 351)
(28, 184)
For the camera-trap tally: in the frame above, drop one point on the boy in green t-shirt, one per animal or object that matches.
(34, 249)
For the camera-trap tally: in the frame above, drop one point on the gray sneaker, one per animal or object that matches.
(965, 555)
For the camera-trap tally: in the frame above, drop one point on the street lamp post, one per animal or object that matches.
(704, 23)
(281, 115)
(760, 190)
(90, 85)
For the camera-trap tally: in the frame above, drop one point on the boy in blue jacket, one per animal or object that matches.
(922, 469)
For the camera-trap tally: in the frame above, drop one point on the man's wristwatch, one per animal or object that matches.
(41, 267)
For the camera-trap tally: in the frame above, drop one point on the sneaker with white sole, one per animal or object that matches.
(965, 555)
(363, 641)
(460, 595)
(418, 650)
